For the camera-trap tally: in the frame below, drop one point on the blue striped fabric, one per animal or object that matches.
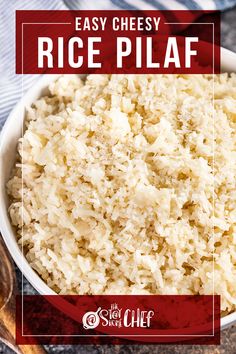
(10, 83)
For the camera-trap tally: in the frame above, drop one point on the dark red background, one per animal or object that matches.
(25, 21)
(55, 319)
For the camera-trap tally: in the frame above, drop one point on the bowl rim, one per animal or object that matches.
(5, 227)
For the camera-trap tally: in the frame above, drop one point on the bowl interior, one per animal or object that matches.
(11, 132)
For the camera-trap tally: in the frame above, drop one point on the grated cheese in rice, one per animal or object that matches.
(121, 191)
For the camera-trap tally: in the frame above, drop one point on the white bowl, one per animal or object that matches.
(8, 141)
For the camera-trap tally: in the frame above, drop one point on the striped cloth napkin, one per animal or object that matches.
(10, 83)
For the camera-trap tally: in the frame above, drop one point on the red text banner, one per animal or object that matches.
(129, 42)
(117, 319)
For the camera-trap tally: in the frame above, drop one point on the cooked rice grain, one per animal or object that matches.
(121, 191)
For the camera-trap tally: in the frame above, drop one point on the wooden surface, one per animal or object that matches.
(8, 292)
